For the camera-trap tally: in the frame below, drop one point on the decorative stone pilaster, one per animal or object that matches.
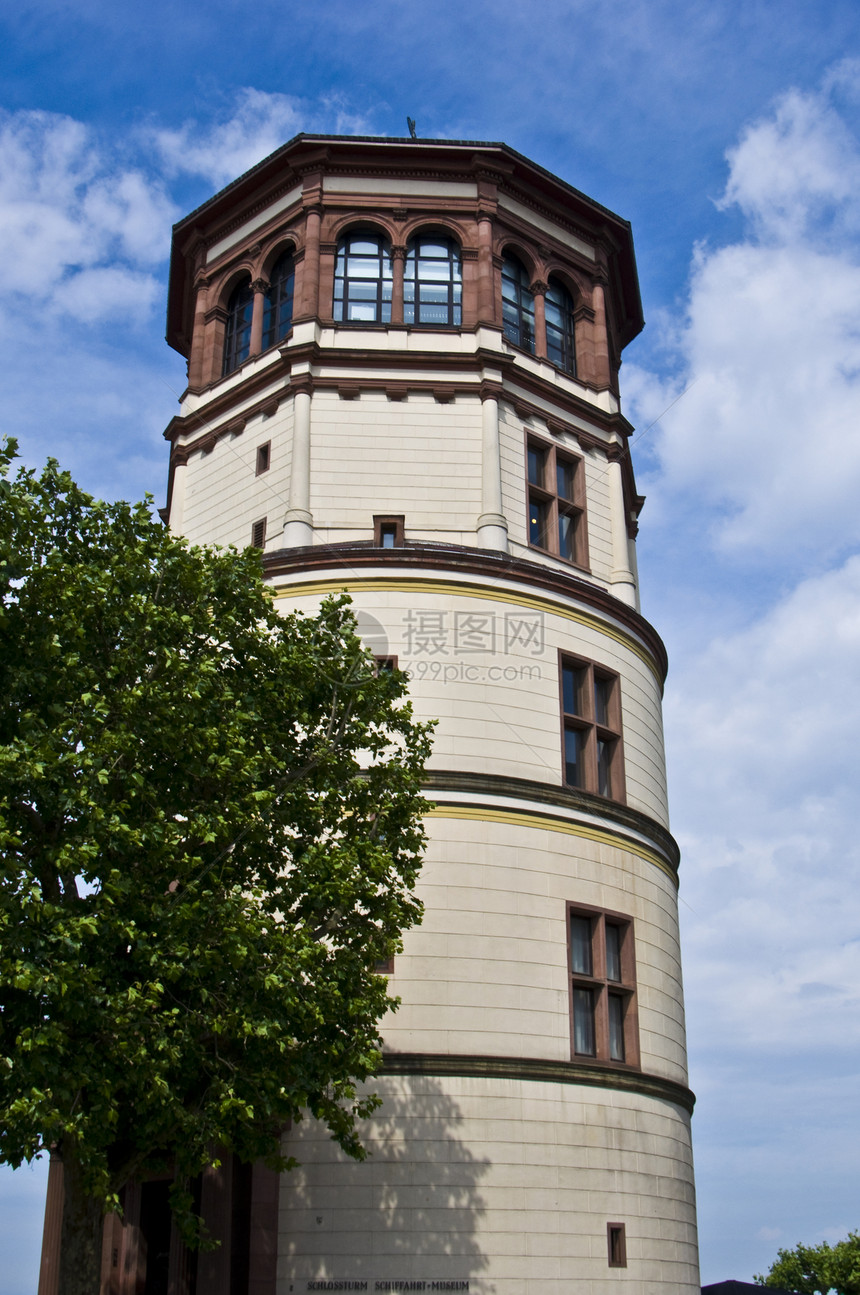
(298, 522)
(398, 260)
(259, 288)
(492, 527)
(486, 275)
(538, 289)
(308, 292)
(621, 577)
(602, 374)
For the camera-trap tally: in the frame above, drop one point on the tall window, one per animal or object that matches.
(432, 282)
(602, 986)
(591, 728)
(556, 498)
(362, 280)
(237, 337)
(559, 327)
(278, 311)
(518, 305)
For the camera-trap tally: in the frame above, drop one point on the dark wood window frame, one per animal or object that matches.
(279, 300)
(616, 1245)
(258, 534)
(604, 1025)
(435, 295)
(592, 749)
(518, 304)
(388, 531)
(237, 333)
(363, 279)
(560, 331)
(555, 493)
(264, 457)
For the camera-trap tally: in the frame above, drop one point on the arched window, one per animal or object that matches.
(237, 338)
(432, 282)
(559, 327)
(518, 306)
(278, 311)
(362, 279)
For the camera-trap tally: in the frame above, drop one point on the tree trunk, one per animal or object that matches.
(81, 1240)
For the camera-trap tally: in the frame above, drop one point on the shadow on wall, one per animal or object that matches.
(410, 1212)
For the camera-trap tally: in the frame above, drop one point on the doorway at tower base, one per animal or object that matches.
(494, 1185)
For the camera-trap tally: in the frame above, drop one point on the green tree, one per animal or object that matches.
(210, 827)
(816, 1270)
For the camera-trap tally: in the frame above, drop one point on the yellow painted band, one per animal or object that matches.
(511, 817)
(313, 588)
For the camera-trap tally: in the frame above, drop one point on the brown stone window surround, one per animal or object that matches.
(378, 278)
(388, 532)
(555, 489)
(445, 290)
(591, 742)
(539, 315)
(251, 311)
(616, 1245)
(604, 1025)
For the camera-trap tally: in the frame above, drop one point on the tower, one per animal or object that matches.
(403, 366)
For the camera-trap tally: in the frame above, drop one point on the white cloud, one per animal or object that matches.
(796, 169)
(259, 124)
(72, 222)
(769, 347)
(764, 727)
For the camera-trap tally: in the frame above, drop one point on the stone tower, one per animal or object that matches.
(403, 366)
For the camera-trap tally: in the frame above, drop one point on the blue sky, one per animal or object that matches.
(730, 138)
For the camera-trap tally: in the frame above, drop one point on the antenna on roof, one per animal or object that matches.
(410, 122)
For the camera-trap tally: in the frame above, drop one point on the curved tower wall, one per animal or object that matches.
(513, 1152)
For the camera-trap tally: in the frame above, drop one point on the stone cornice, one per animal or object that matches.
(554, 797)
(536, 1070)
(448, 559)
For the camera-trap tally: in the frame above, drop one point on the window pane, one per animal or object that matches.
(572, 683)
(538, 523)
(565, 472)
(567, 536)
(604, 767)
(433, 314)
(613, 952)
(361, 313)
(574, 752)
(536, 465)
(602, 693)
(364, 246)
(616, 1027)
(362, 289)
(427, 248)
(434, 270)
(583, 1022)
(580, 945)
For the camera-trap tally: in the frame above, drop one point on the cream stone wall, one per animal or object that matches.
(372, 456)
(223, 494)
(504, 1184)
(487, 970)
(484, 662)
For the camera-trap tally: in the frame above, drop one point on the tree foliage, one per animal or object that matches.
(817, 1270)
(209, 833)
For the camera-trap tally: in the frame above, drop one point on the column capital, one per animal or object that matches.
(260, 285)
